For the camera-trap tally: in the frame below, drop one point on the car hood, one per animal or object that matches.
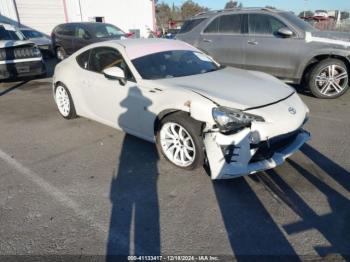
(12, 43)
(41, 41)
(233, 87)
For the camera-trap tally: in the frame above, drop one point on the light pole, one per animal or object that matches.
(81, 14)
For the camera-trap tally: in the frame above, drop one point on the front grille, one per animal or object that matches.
(12, 53)
(268, 148)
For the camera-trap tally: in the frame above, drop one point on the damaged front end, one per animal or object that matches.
(239, 143)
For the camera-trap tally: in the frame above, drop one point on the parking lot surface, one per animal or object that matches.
(78, 187)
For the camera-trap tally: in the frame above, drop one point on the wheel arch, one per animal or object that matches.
(168, 112)
(311, 62)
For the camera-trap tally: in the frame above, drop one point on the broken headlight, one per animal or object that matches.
(229, 119)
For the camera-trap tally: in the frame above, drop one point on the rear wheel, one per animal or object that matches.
(329, 79)
(179, 140)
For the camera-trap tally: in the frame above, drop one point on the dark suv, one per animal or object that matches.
(70, 37)
(275, 42)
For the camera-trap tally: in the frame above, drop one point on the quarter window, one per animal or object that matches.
(102, 58)
(225, 24)
(66, 30)
(190, 24)
(260, 24)
(83, 59)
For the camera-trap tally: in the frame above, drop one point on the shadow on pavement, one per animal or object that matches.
(334, 226)
(17, 85)
(250, 228)
(134, 223)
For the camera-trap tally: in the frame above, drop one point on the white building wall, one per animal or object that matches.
(8, 12)
(126, 14)
(44, 15)
(41, 15)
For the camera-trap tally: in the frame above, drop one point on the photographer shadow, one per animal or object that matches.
(134, 222)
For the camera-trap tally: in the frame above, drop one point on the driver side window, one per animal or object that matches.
(102, 58)
(261, 24)
(81, 33)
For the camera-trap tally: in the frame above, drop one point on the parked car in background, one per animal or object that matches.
(18, 56)
(70, 37)
(171, 33)
(41, 40)
(321, 14)
(169, 92)
(275, 42)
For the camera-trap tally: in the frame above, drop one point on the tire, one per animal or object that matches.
(329, 79)
(60, 53)
(190, 137)
(64, 102)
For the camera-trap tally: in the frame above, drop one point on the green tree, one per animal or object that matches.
(231, 4)
(344, 15)
(190, 8)
(163, 12)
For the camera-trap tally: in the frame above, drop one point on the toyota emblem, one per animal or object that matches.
(292, 110)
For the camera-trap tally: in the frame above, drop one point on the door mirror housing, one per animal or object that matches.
(115, 73)
(285, 32)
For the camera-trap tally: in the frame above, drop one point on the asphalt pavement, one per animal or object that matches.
(80, 188)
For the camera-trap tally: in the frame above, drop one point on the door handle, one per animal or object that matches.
(253, 42)
(207, 40)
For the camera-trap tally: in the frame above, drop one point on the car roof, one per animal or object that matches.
(82, 23)
(141, 47)
(235, 10)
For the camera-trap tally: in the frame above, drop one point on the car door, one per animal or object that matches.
(67, 35)
(109, 101)
(222, 39)
(81, 38)
(266, 50)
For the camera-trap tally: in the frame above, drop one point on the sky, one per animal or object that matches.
(290, 5)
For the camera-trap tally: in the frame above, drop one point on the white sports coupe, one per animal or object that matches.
(236, 122)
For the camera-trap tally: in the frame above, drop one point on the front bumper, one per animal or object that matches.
(234, 156)
(21, 68)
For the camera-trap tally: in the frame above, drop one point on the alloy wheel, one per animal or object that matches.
(62, 101)
(332, 80)
(177, 144)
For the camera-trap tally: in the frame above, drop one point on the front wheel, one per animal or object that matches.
(329, 79)
(60, 53)
(64, 102)
(179, 140)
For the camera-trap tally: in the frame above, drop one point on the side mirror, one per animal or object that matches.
(115, 73)
(285, 32)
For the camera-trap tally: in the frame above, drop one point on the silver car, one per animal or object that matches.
(275, 42)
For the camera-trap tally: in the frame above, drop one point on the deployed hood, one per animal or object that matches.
(13, 43)
(345, 36)
(330, 38)
(233, 87)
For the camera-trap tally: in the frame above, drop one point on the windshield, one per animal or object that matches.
(176, 63)
(8, 32)
(31, 34)
(305, 26)
(103, 30)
